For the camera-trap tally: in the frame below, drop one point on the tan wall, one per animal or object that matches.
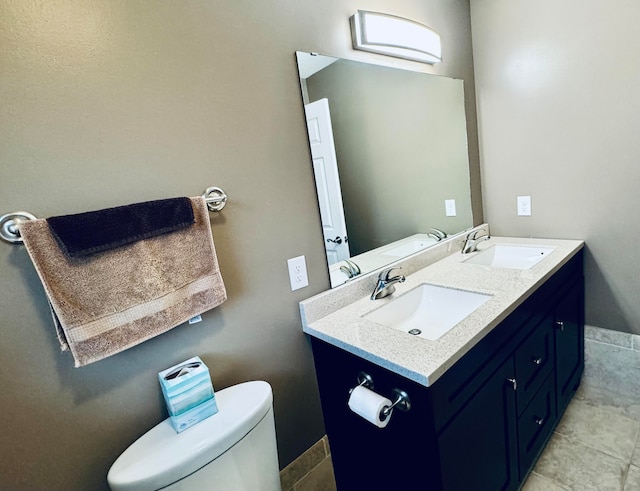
(559, 112)
(107, 102)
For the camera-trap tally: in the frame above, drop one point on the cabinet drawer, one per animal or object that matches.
(534, 361)
(536, 424)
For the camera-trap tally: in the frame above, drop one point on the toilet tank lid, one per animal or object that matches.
(161, 456)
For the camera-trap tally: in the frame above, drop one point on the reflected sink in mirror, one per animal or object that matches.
(428, 311)
(510, 256)
(337, 277)
(409, 247)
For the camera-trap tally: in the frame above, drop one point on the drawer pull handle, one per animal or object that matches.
(513, 383)
(560, 325)
(536, 361)
(539, 421)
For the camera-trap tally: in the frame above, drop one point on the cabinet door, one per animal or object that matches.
(569, 343)
(478, 448)
(401, 456)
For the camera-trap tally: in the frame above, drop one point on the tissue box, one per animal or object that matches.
(188, 392)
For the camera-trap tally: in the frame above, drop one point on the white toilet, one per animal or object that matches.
(233, 450)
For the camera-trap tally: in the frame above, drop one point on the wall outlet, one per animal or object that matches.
(524, 206)
(450, 207)
(298, 273)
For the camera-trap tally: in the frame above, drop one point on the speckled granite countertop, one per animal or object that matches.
(419, 359)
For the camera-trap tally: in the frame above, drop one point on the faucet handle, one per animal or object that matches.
(473, 235)
(384, 274)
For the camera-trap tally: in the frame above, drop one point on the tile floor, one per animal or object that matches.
(595, 447)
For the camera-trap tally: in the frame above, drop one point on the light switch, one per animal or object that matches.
(450, 207)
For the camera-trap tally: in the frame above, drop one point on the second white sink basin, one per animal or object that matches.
(510, 256)
(428, 311)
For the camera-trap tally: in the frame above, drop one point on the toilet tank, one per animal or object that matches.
(233, 450)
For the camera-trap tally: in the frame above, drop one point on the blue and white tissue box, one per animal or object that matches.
(188, 392)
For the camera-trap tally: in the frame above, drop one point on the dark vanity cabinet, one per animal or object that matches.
(482, 425)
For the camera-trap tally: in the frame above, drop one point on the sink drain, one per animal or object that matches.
(415, 332)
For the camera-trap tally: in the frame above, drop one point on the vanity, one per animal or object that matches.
(487, 346)
(485, 394)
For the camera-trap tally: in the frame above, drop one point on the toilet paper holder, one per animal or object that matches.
(365, 380)
(401, 402)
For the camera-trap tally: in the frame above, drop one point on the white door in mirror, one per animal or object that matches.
(325, 170)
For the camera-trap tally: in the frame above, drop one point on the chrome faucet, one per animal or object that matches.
(385, 287)
(436, 233)
(350, 269)
(472, 240)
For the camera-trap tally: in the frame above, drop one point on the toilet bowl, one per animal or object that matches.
(233, 450)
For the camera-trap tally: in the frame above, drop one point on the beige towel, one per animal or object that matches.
(111, 301)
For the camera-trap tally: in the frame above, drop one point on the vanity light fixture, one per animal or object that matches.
(395, 36)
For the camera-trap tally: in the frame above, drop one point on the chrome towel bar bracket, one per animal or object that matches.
(9, 225)
(215, 198)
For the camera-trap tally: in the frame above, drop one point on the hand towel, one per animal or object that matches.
(84, 234)
(110, 301)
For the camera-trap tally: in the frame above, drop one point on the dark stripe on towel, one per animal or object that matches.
(84, 234)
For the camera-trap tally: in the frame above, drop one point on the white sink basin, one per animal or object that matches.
(428, 311)
(409, 247)
(510, 256)
(337, 277)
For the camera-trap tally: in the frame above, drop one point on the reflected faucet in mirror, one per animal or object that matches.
(350, 268)
(388, 148)
(437, 234)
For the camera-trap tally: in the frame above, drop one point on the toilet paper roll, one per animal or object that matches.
(368, 405)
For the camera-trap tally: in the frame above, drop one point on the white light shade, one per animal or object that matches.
(395, 36)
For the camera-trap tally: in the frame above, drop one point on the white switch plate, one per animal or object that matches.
(450, 207)
(298, 273)
(524, 206)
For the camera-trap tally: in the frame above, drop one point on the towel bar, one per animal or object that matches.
(215, 198)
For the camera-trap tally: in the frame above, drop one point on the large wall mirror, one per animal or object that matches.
(389, 153)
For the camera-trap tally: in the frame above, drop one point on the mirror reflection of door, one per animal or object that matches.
(325, 170)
